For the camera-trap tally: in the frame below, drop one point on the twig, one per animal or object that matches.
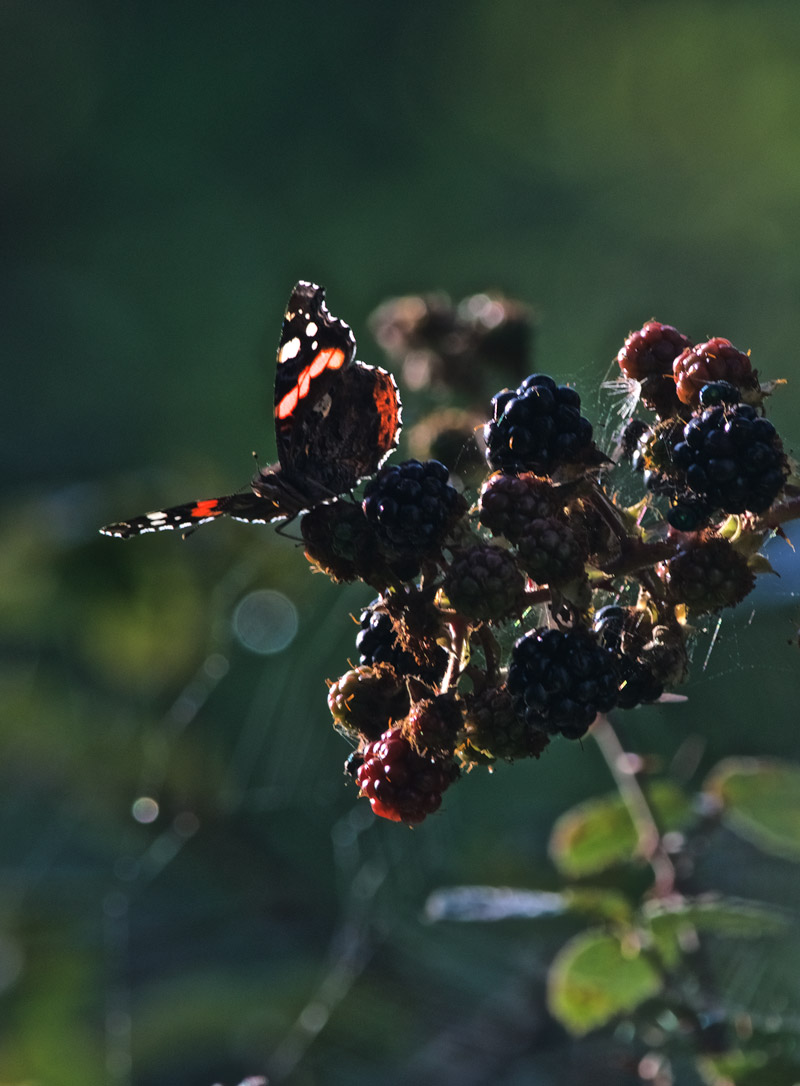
(650, 846)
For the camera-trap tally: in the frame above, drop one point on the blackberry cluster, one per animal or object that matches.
(732, 457)
(484, 583)
(509, 504)
(537, 428)
(707, 574)
(399, 783)
(647, 357)
(561, 679)
(507, 629)
(626, 633)
(377, 643)
(412, 506)
(715, 360)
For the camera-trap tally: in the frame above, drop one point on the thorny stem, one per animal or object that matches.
(650, 846)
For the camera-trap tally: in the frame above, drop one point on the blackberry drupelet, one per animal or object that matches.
(733, 458)
(401, 784)
(412, 506)
(509, 504)
(561, 680)
(715, 360)
(537, 427)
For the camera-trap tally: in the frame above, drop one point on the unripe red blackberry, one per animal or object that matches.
(707, 575)
(401, 784)
(412, 506)
(484, 583)
(651, 350)
(508, 504)
(433, 724)
(493, 729)
(647, 357)
(366, 700)
(625, 631)
(341, 542)
(537, 427)
(715, 360)
(378, 643)
(551, 553)
(732, 457)
(561, 680)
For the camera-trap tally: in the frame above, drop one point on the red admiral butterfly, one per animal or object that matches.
(336, 421)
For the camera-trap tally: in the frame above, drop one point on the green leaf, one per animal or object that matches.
(754, 1067)
(670, 922)
(599, 833)
(760, 800)
(597, 976)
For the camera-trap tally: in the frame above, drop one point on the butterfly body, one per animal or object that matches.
(336, 421)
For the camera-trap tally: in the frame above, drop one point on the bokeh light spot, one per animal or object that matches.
(265, 622)
(145, 809)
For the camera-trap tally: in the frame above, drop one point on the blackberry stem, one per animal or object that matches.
(459, 632)
(490, 651)
(650, 846)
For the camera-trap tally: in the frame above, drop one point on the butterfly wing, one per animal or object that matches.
(335, 419)
(247, 507)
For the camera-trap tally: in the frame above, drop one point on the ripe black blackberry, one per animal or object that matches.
(647, 357)
(732, 457)
(493, 729)
(378, 643)
(401, 784)
(537, 427)
(715, 360)
(412, 506)
(484, 583)
(561, 680)
(707, 575)
(508, 504)
(625, 631)
(551, 553)
(367, 699)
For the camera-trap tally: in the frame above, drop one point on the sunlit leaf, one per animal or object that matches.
(597, 976)
(670, 922)
(760, 800)
(599, 833)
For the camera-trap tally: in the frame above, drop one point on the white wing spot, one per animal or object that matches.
(156, 518)
(311, 329)
(291, 349)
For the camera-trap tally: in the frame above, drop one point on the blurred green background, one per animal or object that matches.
(168, 170)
